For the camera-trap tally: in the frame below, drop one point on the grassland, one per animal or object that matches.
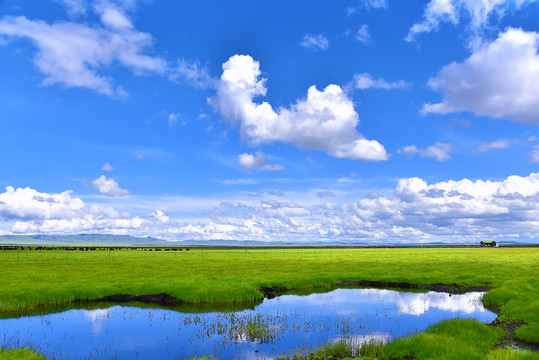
(34, 280)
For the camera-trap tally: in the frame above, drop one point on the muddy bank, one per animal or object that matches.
(509, 338)
(160, 299)
(271, 292)
(448, 288)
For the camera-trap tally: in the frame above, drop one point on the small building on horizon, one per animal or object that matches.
(489, 244)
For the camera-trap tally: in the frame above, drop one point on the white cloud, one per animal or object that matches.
(414, 211)
(496, 144)
(498, 80)
(107, 167)
(27, 204)
(71, 54)
(325, 193)
(74, 7)
(258, 161)
(374, 4)
(192, 73)
(160, 216)
(173, 119)
(367, 4)
(365, 81)
(479, 13)
(363, 35)
(108, 187)
(439, 151)
(315, 42)
(325, 120)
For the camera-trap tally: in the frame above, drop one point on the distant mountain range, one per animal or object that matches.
(127, 240)
(82, 239)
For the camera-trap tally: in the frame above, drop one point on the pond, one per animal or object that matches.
(283, 325)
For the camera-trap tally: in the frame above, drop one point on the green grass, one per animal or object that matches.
(454, 339)
(45, 278)
(512, 354)
(20, 354)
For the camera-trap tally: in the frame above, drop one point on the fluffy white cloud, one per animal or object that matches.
(452, 211)
(160, 216)
(30, 212)
(439, 151)
(496, 144)
(325, 120)
(71, 54)
(258, 161)
(315, 42)
(365, 81)
(108, 187)
(415, 211)
(499, 80)
(26, 203)
(479, 12)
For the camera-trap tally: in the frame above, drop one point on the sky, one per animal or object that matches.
(368, 121)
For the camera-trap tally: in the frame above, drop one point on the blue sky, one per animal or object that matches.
(378, 121)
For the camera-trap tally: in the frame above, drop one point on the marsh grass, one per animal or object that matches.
(20, 354)
(512, 354)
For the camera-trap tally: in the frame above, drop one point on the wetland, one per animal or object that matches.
(286, 325)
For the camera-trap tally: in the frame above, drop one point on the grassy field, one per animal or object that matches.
(33, 280)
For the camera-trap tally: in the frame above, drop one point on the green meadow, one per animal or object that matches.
(34, 281)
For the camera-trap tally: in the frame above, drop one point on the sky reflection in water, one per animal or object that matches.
(282, 325)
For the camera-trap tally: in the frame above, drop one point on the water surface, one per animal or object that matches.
(283, 325)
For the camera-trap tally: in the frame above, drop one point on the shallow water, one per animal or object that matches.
(283, 325)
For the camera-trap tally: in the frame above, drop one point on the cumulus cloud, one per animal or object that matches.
(108, 187)
(107, 167)
(160, 216)
(365, 81)
(27, 204)
(258, 161)
(414, 211)
(452, 211)
(498, 80)
(496, 144)
(325, 120)
(71, 54)
(315, 42)
(439, 151)
(32, 212)
(479, 13)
